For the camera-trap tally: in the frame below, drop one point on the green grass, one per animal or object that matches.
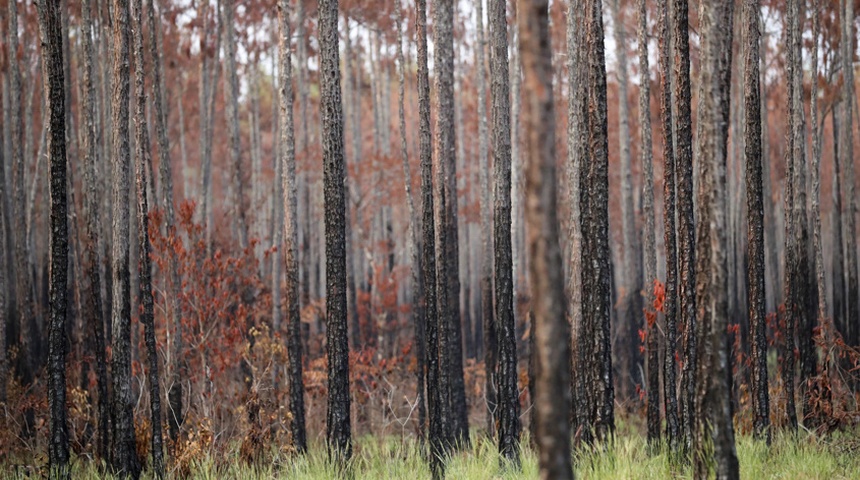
(803, 457)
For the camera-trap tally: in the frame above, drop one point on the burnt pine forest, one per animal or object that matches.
(412, 238)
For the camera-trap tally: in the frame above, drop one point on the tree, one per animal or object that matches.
(508, 393)
(418, 312)
(650, 253)
(147, 301)
(552, 401)
(846, 148)
(447, 278)
(337, 417)
(287, 160)
(437, 406)
(210, 70)
(240, 225)
(686, 225)
(594, 205)
(174, 394)
(93, 301)
(54, 83)
(713, 422)
(124, 456)
(755, 219)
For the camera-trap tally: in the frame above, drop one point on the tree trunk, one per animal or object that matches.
(551, 328)
(594, 204)
(509, 405)
(755, 220)
(847, 150)
(337, 418)
(287, 166)
(174, 395)
(488, 322)
(210, 70)
(646, 158)
(418, 311)
(437, 407)
(125, 462)
(794, 150)
(713, 400)
(686, 225)
(448, 289)
(53, 77)
(147, 316)
(240, 224)
(836, 219)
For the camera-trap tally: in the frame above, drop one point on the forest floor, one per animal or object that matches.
(805, 456)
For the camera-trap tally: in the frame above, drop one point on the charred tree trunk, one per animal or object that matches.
(552, 331)
(646, 158)
(852, 320)
(334, 171)
(755, 220)
(124, 457)
(289, 207)
(53, 77)
(509, 405)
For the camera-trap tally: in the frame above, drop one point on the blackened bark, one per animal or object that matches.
(713, 421)
(418, 312)
(124, 457)
(448, 277)
(53, 77)
(852, 319)
(331, 110)
(147, 315)
(755, 220)
(174, 395)
(652, 364)
(686, 225)
(552, 331)
(508, 393)
(792, 266)
(838, 259)
(594, 202)
(93, 299)
(287, 160)
(436, 410)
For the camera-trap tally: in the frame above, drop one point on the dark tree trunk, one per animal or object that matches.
(240, 224)
(652, 360)
(174, 395)
(53, 77)
(448, 278)
(93, 299)
(852, 319)
(713, 422)
(436, 410)
(125, 461)
(147, 315)
(552, 331)
(838, 259)
(594, 204)
(755, 220)
(508, 393)
(334, 170)
(418, 312)
(287, 160)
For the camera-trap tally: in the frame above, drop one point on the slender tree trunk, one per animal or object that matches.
(594, 204)
(847, 150)
(287, 161)
(450, 335)
(545, 269)
(146, 297)
(418, 311)
(713, 400)
(686, 225)
(338, 416)
(353, 121)
(53, 77)
(509, 405)
(174, 395)
(488, 322)
(125, 462)
(755, 219)
(437, 407)
(836, 218)
(646, 158)
(240, 223)
(210, 70)
(792, 266)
